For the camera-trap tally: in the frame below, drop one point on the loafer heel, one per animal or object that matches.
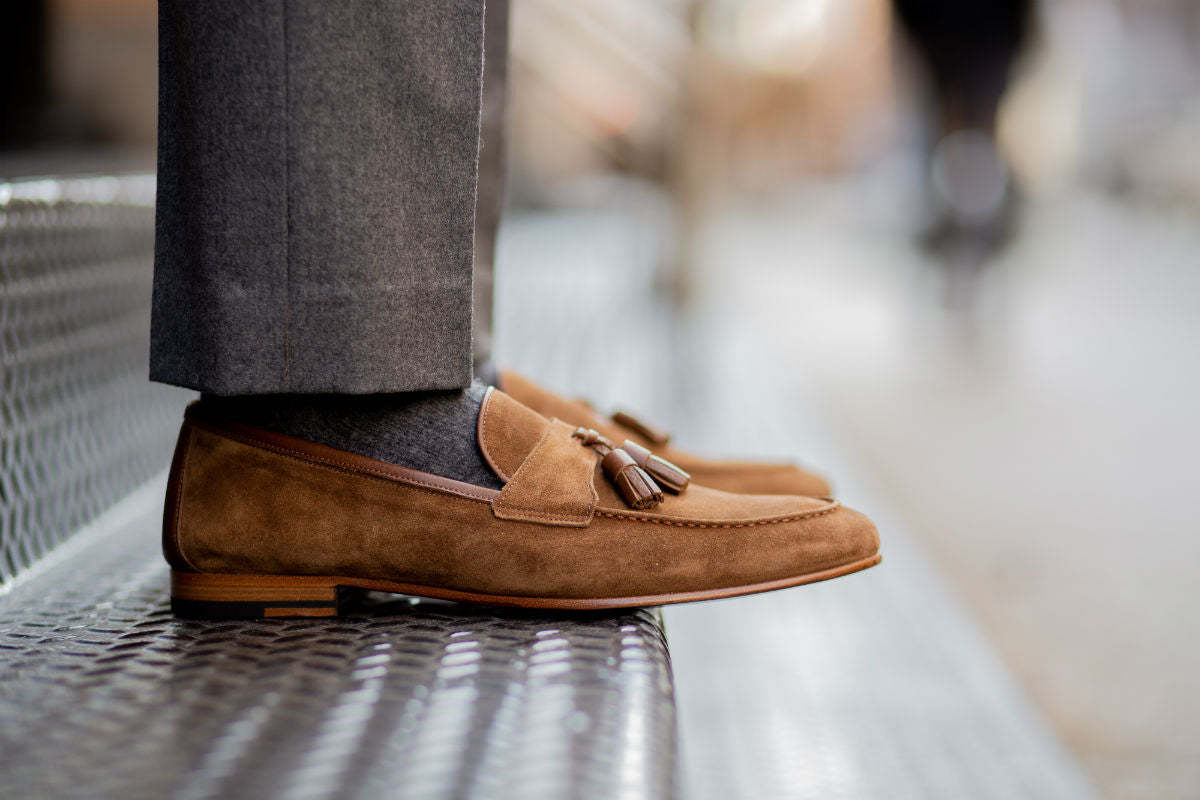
(203, 596)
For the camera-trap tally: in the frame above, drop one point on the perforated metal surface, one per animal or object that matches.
(80, 426)
(103, 694)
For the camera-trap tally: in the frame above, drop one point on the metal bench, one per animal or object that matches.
(103, 693)
(872, 686)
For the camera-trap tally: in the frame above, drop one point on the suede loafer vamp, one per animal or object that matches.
(750, 477)
(263, 524)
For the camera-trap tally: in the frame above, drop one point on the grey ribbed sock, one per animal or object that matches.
(428, 431)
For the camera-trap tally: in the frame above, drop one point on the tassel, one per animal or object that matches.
(664, 473)
(648, 432)
(634, 483)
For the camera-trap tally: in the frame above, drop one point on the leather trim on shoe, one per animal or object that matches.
(481, 435)
(338, 459)
(507, 432)
(655, 436)
(190, 586)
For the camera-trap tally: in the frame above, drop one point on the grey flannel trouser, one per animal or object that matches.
(318, 167)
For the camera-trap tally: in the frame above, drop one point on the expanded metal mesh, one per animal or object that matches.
(80, 424)
(104, 694)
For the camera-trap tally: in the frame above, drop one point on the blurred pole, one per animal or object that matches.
(968, 51)
(687, 179)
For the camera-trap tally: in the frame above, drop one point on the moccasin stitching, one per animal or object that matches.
(659, 521)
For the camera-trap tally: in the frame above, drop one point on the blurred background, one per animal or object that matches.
(965, 237)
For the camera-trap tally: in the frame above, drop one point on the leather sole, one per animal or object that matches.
(209, 596)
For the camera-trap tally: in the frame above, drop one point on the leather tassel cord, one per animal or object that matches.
(647, 431)
(634, 470)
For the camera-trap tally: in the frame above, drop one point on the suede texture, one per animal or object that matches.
(507, 431)
(554, 484)
(244, 507)
(741, 477)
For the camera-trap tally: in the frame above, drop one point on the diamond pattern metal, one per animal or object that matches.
(104, 693)
(80, 425)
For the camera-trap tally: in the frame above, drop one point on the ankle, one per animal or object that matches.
(428, 431)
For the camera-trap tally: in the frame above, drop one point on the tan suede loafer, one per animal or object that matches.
(743, 477)
(262, 524)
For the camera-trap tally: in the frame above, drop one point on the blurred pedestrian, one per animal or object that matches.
(968, 51)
